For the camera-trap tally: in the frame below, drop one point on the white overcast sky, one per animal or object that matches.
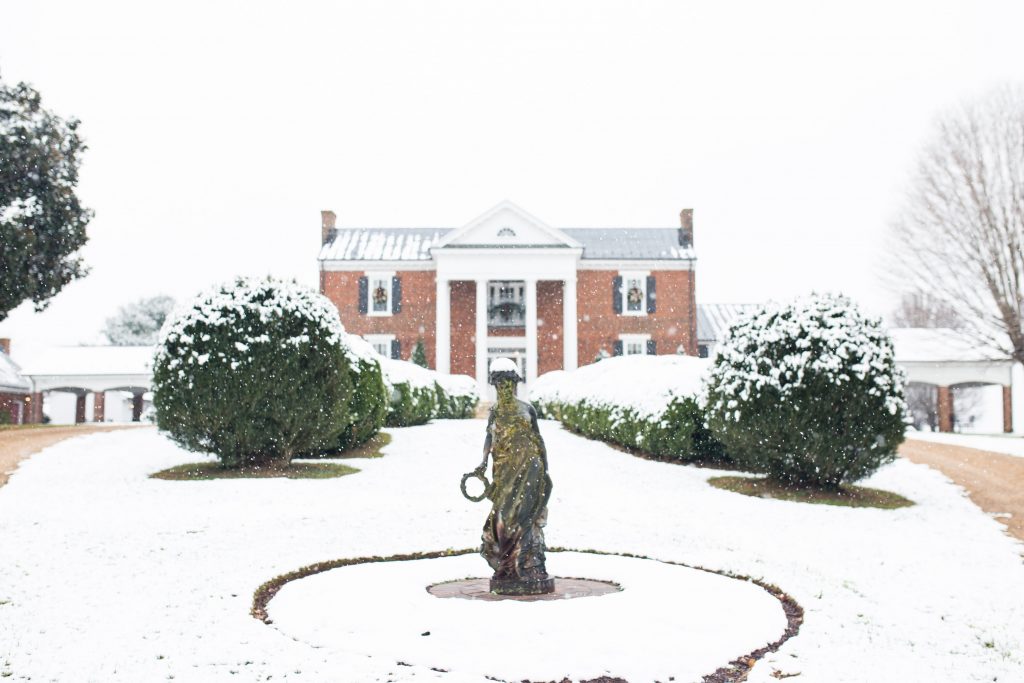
(217, 131)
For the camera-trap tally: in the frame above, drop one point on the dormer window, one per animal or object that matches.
(506, 232)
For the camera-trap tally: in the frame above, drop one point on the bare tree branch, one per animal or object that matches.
(958, 243)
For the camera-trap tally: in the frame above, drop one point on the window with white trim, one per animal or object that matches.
(381, 343)
(379, 295)
(634, 292)
(634, 344)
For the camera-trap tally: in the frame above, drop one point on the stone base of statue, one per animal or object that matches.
(522, 586)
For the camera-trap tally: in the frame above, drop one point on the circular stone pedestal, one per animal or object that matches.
(564, 589)
(667, 621)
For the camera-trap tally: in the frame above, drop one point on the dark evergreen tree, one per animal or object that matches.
(42, 223)
(419, 354)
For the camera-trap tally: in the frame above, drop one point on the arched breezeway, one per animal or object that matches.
(948, 360)
(90, 370)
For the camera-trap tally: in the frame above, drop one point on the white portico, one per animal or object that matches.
(501, 246)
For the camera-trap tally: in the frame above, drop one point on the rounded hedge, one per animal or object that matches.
(255, 371)
(807, 392)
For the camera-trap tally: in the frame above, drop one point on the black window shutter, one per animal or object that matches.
(652, 347)
(396, 294)
(617, 294)
(652, 297)
(396, 349)
(617, 347)
(364, 295)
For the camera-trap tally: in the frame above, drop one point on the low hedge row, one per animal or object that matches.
(418, 395)
(677, 434)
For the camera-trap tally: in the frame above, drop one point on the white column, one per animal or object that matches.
(481, 336)
(443, 333)
(531, 331)
(569, 324)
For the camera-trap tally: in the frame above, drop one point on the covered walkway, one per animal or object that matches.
(948, 360)
(85, 370)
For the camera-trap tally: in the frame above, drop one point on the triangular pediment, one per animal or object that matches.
(507, 225)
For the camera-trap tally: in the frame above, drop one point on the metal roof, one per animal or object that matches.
(414, 244)
(713, 320)
(11, 380)
(90, 360)
(940, 345)
(630, 243)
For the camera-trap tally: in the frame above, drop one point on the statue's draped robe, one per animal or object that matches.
(513, 536)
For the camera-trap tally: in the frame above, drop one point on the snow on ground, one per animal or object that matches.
(1009, 444)
(460, 634)
(106, 575)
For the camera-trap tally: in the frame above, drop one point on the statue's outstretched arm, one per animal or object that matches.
(540, 439)
(487, 443)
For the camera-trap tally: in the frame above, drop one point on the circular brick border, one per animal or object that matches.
(735, 672)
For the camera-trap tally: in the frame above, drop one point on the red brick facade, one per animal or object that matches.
(549, 327)
(15, 408)
(463, 329)
(415, 320)
(673, 323)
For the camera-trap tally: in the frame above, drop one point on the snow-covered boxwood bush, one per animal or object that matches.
(368, 406)
(457, 396)
(412, 391)
(254, 371)
(808, 392)
(419, 394)
(648, 403)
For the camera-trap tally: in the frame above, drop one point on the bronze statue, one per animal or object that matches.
(513, 536)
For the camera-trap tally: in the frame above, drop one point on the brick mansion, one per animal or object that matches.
(507, 284)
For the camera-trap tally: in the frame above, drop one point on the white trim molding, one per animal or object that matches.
(639, 339)
(376, 339)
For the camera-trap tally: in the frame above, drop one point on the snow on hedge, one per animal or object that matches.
(644, 384)
(462, 386)
(228, 305)
(826, 333)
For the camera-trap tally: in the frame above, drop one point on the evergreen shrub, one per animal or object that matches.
(645, 403)
(419, 394)
(808, 392)
(254, 371)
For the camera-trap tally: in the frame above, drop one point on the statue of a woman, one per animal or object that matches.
(513, 536)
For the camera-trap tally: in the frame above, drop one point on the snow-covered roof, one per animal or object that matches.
(382, 244)
(90, 360)
(713, 320)
(414, 244)
(10, 376)
(933, 345)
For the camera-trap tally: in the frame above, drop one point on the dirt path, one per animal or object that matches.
(18, 444)
(994, 481)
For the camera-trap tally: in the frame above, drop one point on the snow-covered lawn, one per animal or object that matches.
(106, 575)
(1010, 444)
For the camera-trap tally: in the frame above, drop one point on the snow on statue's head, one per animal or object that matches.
(504, 369)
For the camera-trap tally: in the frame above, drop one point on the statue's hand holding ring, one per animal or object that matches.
(476, 474)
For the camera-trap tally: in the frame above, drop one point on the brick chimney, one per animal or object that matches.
(327, 229)
(686, 228)
(5, 345)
